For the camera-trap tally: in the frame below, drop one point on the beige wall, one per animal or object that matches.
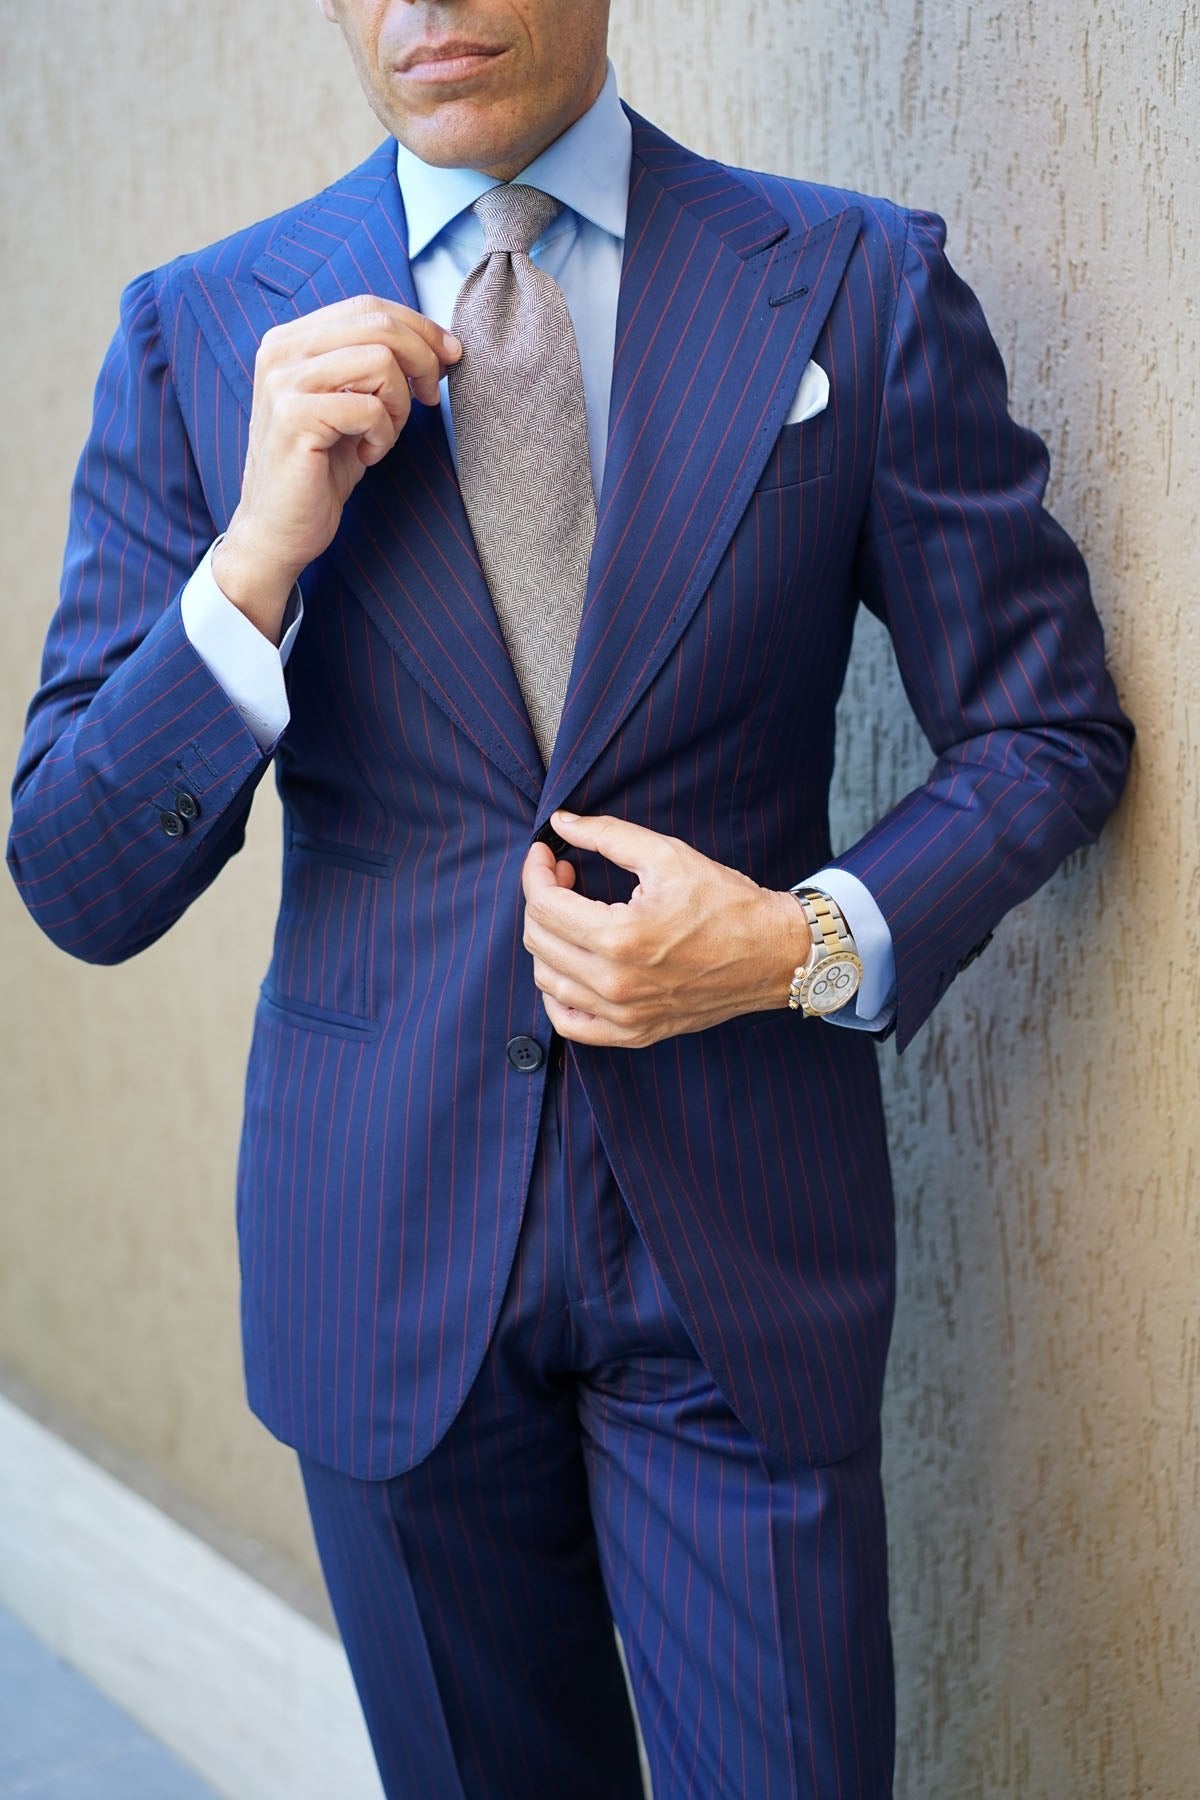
(1043, 1435)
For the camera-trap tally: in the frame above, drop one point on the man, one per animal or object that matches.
(565, 1219)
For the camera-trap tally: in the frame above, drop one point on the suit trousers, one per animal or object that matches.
(596, 1473)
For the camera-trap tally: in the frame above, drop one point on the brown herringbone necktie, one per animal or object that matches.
(520, 424)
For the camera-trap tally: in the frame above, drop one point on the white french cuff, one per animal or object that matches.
(874, 1006)
(238, 657)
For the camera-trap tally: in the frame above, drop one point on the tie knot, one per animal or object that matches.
(514, 218)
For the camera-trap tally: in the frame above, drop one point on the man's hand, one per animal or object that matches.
(696, 943)
(332, 393)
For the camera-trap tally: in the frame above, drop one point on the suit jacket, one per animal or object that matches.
(388, 1139)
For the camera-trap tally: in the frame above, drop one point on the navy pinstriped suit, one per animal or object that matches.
(389, 1145)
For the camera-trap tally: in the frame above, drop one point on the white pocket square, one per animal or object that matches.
(812, 397)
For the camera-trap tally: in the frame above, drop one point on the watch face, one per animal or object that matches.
(834, 982)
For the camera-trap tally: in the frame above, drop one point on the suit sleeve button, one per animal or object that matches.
(525, 1054)
(187, 805)
(977, 951)
(171, 823)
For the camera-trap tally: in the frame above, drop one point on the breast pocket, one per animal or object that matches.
(320, 971)
(802, 453)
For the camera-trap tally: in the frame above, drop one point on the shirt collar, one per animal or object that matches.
(587, 168)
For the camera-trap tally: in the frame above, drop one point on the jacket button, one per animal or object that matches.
(559, 845)
(187, 805)
(171, 823)
(525, 1054)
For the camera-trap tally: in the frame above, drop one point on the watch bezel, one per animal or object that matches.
(820, 969)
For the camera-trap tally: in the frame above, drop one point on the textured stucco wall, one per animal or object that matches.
(1044, 1447)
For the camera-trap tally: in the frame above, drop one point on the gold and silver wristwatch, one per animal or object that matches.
(830, 978)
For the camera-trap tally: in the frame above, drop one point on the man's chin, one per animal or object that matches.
(457, 135)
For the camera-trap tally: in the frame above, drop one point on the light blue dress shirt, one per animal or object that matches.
(587, 169)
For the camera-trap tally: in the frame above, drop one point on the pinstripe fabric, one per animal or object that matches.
(596, 1464)
(388, 1143)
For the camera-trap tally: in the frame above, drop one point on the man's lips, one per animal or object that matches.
(446, 59)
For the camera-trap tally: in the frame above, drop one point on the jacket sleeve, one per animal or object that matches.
(136, 772)
(998, 643)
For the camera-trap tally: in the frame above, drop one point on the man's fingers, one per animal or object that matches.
(322, 420)
(365, 313)
(542, 859)
(422, 350)
(553, 985)
(551, 902)
(582, 1027)
(538, 874)
(361, 368)
(631, 847)
(579, 996)
(554, 953)
(361, 320)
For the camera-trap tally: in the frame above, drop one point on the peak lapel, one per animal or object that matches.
(405, 546)
(720, 308)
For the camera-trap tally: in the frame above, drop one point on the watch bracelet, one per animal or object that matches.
(830, 931)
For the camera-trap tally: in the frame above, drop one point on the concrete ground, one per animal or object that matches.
(61, 1739)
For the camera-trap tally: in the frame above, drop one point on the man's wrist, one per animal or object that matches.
(790, 941)
(258, 588)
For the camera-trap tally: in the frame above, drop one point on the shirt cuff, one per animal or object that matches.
(874, 1006)
(237, 655)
